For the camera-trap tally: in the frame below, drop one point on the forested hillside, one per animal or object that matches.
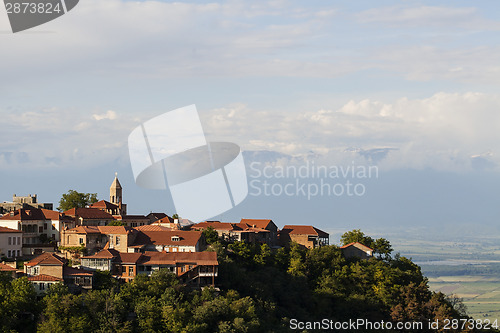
(258, 290)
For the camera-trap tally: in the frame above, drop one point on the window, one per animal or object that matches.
(8, 254)
(19, 240)
(53, 227)
(124, 269)
(18, 253)
(131, 270)
(174, 249)
(175, 238)
(42, 286)
(81, 240)
(45, 226)
(117, 240)
(40, 229)
(10, 240)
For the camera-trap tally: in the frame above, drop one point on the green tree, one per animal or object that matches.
(74, 199)
(211, 235)
(356, 235)
(116, 223)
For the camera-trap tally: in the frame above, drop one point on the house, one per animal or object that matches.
(358, 250)
(10, 269)
(39, 226)
(227, 231)
(11, 243)
(133, 221)
(51, 268)
(43, 282)
(168, 241)
(47, 264)
(305, 235)
(260, 231)
(198, 268)
(95, 238)
(89, 216)
(28, 202)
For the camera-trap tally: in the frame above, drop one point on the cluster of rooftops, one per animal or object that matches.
(91, 240)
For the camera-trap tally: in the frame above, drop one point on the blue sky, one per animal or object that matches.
(294, 77)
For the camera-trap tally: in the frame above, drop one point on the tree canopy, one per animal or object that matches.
(74, 199)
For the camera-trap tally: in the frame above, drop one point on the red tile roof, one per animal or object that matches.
(101, 230)
(89, 213)
(172, 258)
(72, 271)
(43, 277)
(84, 230)
(157, 216)
(5, 268)
(165, 219)
(187, 238)
(217, 225)
(304, 230)
(159, 258)
(103, 204)
(47, 258)
(103, 254)
(152, 227)
(5, 229)
(358, 245)
(263, 224)
(30, 214)
(115, 229)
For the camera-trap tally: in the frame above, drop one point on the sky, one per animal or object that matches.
(408, 86)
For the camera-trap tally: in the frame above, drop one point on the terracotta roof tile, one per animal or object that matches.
(187, 238)
(89, 213)
(114, 229)
(358, 245)
(217, 225)
(103, 204)
(47, 258)
(172, 258)
(304, 230)
(72, 271)
(7, 268)
(263, 224)
(44, 277)
(9, 230)
(152, 227)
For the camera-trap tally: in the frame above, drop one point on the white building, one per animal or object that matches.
(11, 245)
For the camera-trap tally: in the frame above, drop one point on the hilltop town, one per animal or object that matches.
(70, 246)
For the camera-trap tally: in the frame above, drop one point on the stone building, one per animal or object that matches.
(23, 203)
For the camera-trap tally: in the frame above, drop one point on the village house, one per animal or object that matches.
(358, 250)
(50, 268)
(95, 238)
(254, 228)
(10, 268)
(230, 232)
(197, 268)
(305, 235)
(248, 230)
(43, 282)
(168, 241)
(38, 226)
(89, 216)
(11, 245)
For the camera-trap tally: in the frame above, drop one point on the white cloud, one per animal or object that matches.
(442, 131)
(110, 115)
